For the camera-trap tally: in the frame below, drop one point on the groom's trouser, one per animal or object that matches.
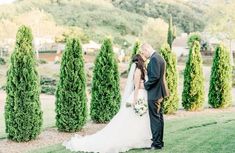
(157, 122)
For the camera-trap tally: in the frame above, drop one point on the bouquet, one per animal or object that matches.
(140, 107)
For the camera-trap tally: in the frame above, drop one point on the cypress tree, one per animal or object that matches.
(105, 101)
(171, 103)
(135, 51)
(171, 33)
(23, 115)
(71, 101)
(221, 79)
(193, 93)
(193, 37)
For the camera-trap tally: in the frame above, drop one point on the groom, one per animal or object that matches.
(156, 87)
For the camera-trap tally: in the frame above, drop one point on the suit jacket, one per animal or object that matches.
(156, 84)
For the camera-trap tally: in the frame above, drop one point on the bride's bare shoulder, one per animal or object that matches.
(137, 72)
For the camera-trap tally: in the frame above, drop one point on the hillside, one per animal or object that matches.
(95, 19)
(124, 20)
(185, 16)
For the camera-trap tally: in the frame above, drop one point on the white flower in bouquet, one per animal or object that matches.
(140, 107)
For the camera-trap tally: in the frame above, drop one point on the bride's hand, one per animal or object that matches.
(133, 104)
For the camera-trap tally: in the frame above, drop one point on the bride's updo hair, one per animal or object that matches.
(139, 61)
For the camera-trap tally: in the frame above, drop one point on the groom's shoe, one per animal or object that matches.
(162, 144)
(155, 148)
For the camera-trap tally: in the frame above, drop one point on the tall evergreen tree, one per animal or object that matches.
(23, 115)
(135, 51)
(171, 103)
(71, 101)
(105, 101)
(221, 79)
(171, 33)
(193, 95)
(192, 38)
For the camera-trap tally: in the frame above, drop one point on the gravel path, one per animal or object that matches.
(48, 137)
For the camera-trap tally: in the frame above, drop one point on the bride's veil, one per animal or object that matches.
(129, 85)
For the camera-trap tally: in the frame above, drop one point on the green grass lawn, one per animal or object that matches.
(214, 133)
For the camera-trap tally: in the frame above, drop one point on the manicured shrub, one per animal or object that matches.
(193, 95)
(171, 103)
(171, 35)
(71, 100)
(220, 91)
(23, 115)
(105, 101)
(135, 51)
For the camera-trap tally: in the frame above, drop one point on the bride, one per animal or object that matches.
(127, 130)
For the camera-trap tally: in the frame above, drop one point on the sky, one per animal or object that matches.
(6, 1)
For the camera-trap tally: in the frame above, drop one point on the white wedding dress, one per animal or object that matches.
(125, 131)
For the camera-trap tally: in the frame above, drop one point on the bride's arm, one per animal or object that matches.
(137, 77)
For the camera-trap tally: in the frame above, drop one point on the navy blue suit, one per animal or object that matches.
(156, 87)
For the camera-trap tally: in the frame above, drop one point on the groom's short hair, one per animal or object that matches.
(146, 46)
